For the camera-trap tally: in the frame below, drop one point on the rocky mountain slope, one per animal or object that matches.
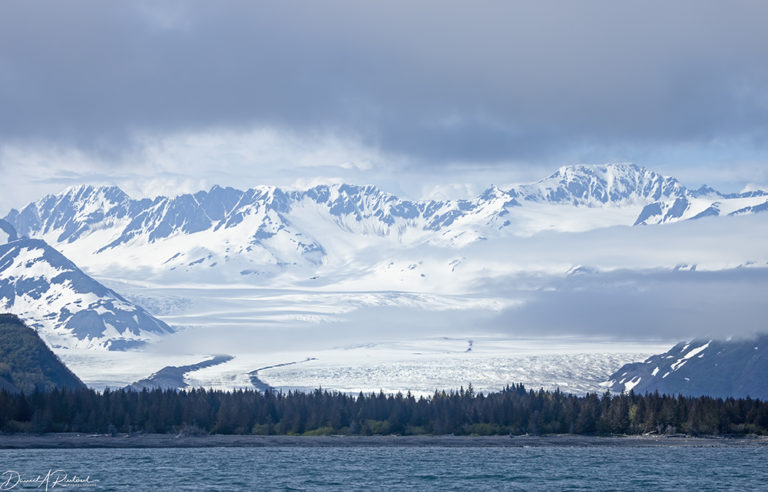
(68, 308)
(7, 232)
(718, 368)
(704, 202)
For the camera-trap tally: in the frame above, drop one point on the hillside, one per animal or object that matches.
(26, 363)
(718, 368)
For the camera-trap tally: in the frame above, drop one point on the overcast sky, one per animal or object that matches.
(421, 98)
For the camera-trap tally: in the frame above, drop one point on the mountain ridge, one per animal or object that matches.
(73, 210)
(265, 230)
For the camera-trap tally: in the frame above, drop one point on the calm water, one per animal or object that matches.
(397, 468)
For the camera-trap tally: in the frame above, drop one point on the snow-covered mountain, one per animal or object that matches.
(734, 368)
(68, 308)
(704, 202)
(259, 232)
(600, 185)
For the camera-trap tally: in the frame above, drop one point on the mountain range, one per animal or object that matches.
(260, 232)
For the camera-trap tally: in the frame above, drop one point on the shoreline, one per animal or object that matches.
(67, 440)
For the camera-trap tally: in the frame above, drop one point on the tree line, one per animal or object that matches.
(514, 410)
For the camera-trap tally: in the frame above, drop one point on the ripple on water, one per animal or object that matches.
(398, 468)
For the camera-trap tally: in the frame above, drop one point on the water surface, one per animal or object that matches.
(396, 468)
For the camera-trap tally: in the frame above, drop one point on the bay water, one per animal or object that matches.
(387, 468)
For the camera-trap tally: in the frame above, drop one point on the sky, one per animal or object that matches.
(425, 99)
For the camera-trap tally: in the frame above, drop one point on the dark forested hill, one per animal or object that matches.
(26, 362)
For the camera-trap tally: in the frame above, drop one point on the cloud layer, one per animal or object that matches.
(435, 80)
(442, 94)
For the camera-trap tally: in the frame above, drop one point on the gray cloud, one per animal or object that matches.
(435, 81)
(642, 305)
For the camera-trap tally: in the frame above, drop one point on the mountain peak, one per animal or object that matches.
(79, 192)
(491, 192)
(71, 212)
(600, 184)
(595, 169)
